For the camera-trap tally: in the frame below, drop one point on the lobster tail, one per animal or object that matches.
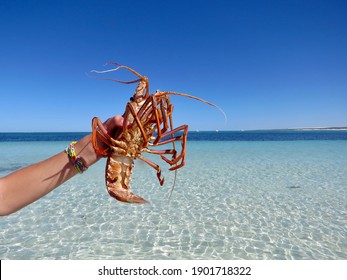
(118, 171)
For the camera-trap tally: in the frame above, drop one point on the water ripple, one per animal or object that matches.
(241, 206)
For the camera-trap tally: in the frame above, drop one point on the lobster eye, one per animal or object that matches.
(131, 99)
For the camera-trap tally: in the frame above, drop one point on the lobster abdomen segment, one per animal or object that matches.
(118, 172)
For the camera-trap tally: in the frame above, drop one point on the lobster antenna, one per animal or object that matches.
(175, 176)
(113, 80)
(117, 81)
(127, 68)
(196, 98)
(105, 71)
(173, 186)
(141, 78)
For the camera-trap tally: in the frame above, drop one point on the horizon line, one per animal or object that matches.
(197, 130)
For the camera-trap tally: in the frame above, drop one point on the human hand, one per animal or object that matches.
(114, 125)
(104, 133)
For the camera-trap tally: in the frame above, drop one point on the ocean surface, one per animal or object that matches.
(241, 195)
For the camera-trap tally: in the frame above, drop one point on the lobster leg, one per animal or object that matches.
(161, 152)
(155, 166)
(181, 157)
(150, 111)
(99, 132)
(163, 113)
(143, 114)
(131, 111)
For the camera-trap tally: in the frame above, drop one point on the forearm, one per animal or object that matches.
(28, 184)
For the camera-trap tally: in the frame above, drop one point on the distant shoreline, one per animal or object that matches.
(339, 128)
(319, 128)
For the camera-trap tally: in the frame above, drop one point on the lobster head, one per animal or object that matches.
(141, 92)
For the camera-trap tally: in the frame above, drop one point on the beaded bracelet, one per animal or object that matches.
(75, 160)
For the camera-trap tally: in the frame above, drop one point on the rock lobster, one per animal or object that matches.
(147, 123)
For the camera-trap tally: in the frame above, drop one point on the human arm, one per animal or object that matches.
(26, 185)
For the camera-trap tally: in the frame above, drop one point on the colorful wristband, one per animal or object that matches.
(76, 161)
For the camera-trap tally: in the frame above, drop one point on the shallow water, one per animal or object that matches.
(232, 200)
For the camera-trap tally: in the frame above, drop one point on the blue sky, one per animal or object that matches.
(268, 64)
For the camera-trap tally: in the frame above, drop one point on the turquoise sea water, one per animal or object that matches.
(241, 195)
